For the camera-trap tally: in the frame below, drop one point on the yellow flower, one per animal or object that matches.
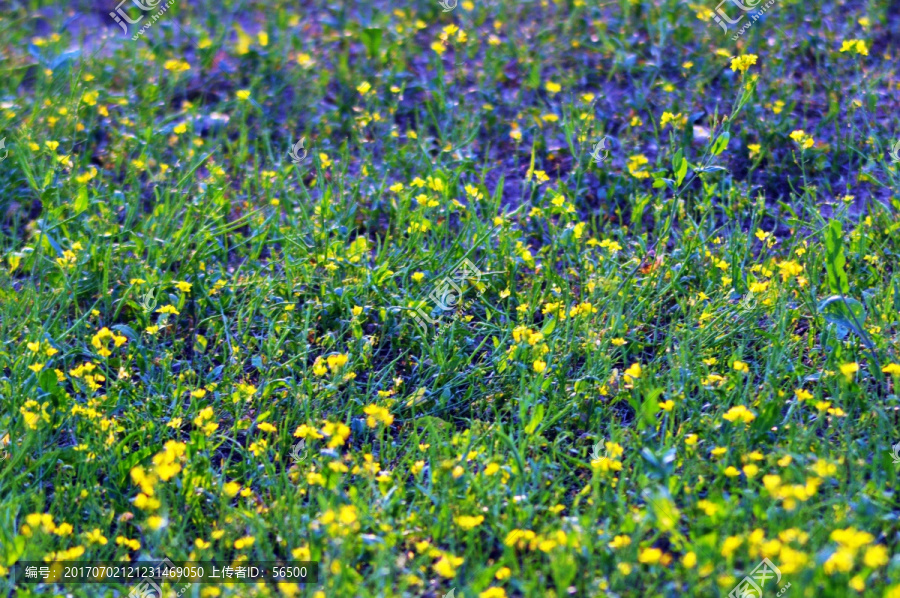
(132, 544)
(855, 45)
(605, 464)
(891, 368)
(689, 560)
(336, 362)
(493, 593)
(95, 537)
(789, 269)
(802, 395)
(740, 366)
(377, 414)
(231, 489)
(364, 88)
(245, 542)
(614, 449)
(620, 542)
(633, 372)
(155, 522)
(553, 87)
(650, 556)
(243, 94)
(739, 413)
(347, 515)
(337, 433)
(803, 140)
(34, 413)
(668, 117)
(731, 544)
(539, 366)
(742, 63)
(851, 538)
(839, 562)
(446, 566)
(42, 520)
(876, 556)
(468, 522)
(176, 66)
(849, 369)
(304, 431)
(636, 164)
(70, 554)
(319, 367)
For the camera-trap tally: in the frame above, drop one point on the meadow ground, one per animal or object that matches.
(484, 299)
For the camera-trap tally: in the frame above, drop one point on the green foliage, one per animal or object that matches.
(835, 260)
(657, 376)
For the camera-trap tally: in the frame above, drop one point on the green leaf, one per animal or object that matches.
(679, 167)
(50, 243)
(128, 332)
(659, 465)
(536, 419)
(711, 169)
(435, 422)
(650, 406)
(418, 397)
(720, 144)
(835, 260)
(129, 461)
(371, 39)
(534, 77)
(48, 382)
(844, 312)
(549, 327)
(635, 402)
(81, 200)
(14, 550)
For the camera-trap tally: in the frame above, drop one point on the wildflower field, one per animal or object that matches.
(470, 299)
